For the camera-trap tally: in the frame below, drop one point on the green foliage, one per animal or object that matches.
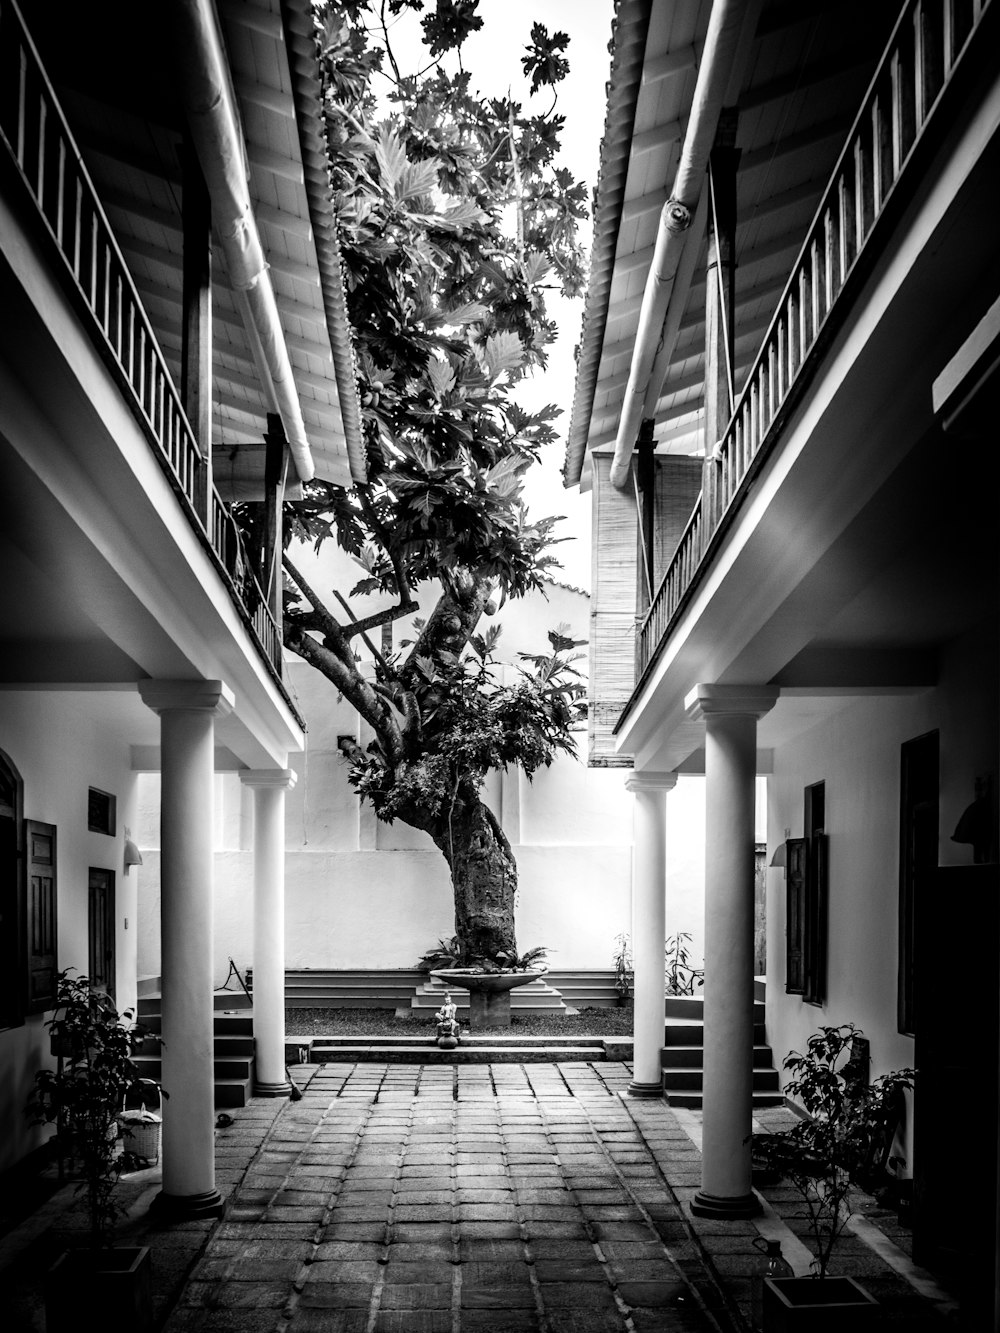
(84, 1097)
(849, 1123)
(452, 953)
(622, 960)
(460, 724)
(679, 976)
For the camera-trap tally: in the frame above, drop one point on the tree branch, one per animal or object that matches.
(403, 588)
(332, 630)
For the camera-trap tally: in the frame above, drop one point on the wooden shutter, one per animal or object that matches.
(816, 915)
(40, 841)
(795, 901)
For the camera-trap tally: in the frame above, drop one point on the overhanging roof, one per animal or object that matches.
(805, 76)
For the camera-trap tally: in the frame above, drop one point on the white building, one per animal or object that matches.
(792, 328)
(173, 338)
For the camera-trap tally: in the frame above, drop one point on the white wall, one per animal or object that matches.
(61, 749)
(857, 754)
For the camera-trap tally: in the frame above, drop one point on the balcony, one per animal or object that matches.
(123, 277)
(875, 174)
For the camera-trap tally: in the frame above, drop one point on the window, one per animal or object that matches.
(41, 915)
(100, 811)
(918, 854)
(806, 928)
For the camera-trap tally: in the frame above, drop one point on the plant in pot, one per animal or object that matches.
(83, 1097)
(848, 1120)
(489, 979)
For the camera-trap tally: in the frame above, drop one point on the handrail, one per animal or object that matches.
(927, 42)
(38, 139)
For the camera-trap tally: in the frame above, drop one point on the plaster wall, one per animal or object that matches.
(856, 752)
(61, 749)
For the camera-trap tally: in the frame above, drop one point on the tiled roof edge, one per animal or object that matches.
(631, 25)
(307, 90)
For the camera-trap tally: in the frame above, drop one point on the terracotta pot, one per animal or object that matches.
(815, 1305)
(115, 1282)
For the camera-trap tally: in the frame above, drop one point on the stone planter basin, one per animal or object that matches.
(489, 992)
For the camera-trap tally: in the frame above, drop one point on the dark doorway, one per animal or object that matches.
(955, 1054)
(918, 852)
(101, 930)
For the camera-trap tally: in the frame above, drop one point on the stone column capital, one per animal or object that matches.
(284, 778)
(706, 701)
(187, 696)
(650, 780)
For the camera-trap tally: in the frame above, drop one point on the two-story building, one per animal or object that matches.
(173, 339)
(783, 412)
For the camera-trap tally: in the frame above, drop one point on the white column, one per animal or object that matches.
(187, 711)
(649, 921)
(269, 786)
(730, 713)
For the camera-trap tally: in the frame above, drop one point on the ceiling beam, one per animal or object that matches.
(656, 68)
(856, 57)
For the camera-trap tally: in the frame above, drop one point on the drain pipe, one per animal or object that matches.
(722, 42)
(211, 112)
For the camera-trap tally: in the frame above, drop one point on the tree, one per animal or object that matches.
(454, 220)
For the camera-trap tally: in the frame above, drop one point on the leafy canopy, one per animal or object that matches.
(454, 220)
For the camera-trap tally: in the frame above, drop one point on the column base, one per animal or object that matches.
(649, 1091)
(723, 1207)
(187, 1207)
(272, 1089)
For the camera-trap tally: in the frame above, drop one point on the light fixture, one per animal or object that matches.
(133, 857)
(778, 859)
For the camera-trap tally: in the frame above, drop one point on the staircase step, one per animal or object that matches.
(462, 1054)
(149, 1005)
(693, 1100)
(691, 1032)
(231, 1092)
(693, 1007)
(693, 1057)
(151, 1067)
(469, 1040)
(687, 1077)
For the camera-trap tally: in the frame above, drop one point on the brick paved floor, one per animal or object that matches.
(400, 1199)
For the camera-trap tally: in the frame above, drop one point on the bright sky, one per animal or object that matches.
(494, 57)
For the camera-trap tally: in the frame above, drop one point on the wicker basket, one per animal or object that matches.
(141, 1121)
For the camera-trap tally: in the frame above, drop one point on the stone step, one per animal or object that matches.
(469, 1039)
(689, 1078)
(535, 997)
(461, 1054)
(150, 1066)
(692, 1057)
(693, 1007)
(691, 1032)
(237, 1024)
(692, 1099)
(223, 1000)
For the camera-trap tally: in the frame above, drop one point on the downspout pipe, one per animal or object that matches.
(725, 25)
(210, 106)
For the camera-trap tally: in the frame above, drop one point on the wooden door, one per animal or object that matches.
(101, 930)
(42, 903)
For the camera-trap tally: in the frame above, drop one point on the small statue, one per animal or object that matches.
(448, 1031)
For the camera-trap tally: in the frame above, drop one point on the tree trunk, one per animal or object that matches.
(484, 878)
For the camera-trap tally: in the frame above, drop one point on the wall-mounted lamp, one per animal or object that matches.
(133, 857)
(778, 859)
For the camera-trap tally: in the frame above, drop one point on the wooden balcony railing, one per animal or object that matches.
(920, 60)
(35, 134)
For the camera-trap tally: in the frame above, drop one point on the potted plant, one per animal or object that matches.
(824, 1155)
(84, 1097)
(489, 980)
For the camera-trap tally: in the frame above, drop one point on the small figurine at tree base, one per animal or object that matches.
(448, 1031)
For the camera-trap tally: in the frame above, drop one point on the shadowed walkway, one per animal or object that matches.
(441, 1199)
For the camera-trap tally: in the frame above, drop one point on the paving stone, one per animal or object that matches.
(342, 1270)
(411, 1194)
(389, 1320)
(248, 1295)
(567, 1270)
(416, 1296)
(419, 1231)
(497, 1297)
(583, 1296)
(430, 1212)
(325, 1320)
(499, 1321)
(347, 1251)
(229, 1268)
(427, 1270)
(336, 1295)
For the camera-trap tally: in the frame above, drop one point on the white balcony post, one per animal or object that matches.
(269, 787)
(187, 711)
(649, 918)
(730, 713)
